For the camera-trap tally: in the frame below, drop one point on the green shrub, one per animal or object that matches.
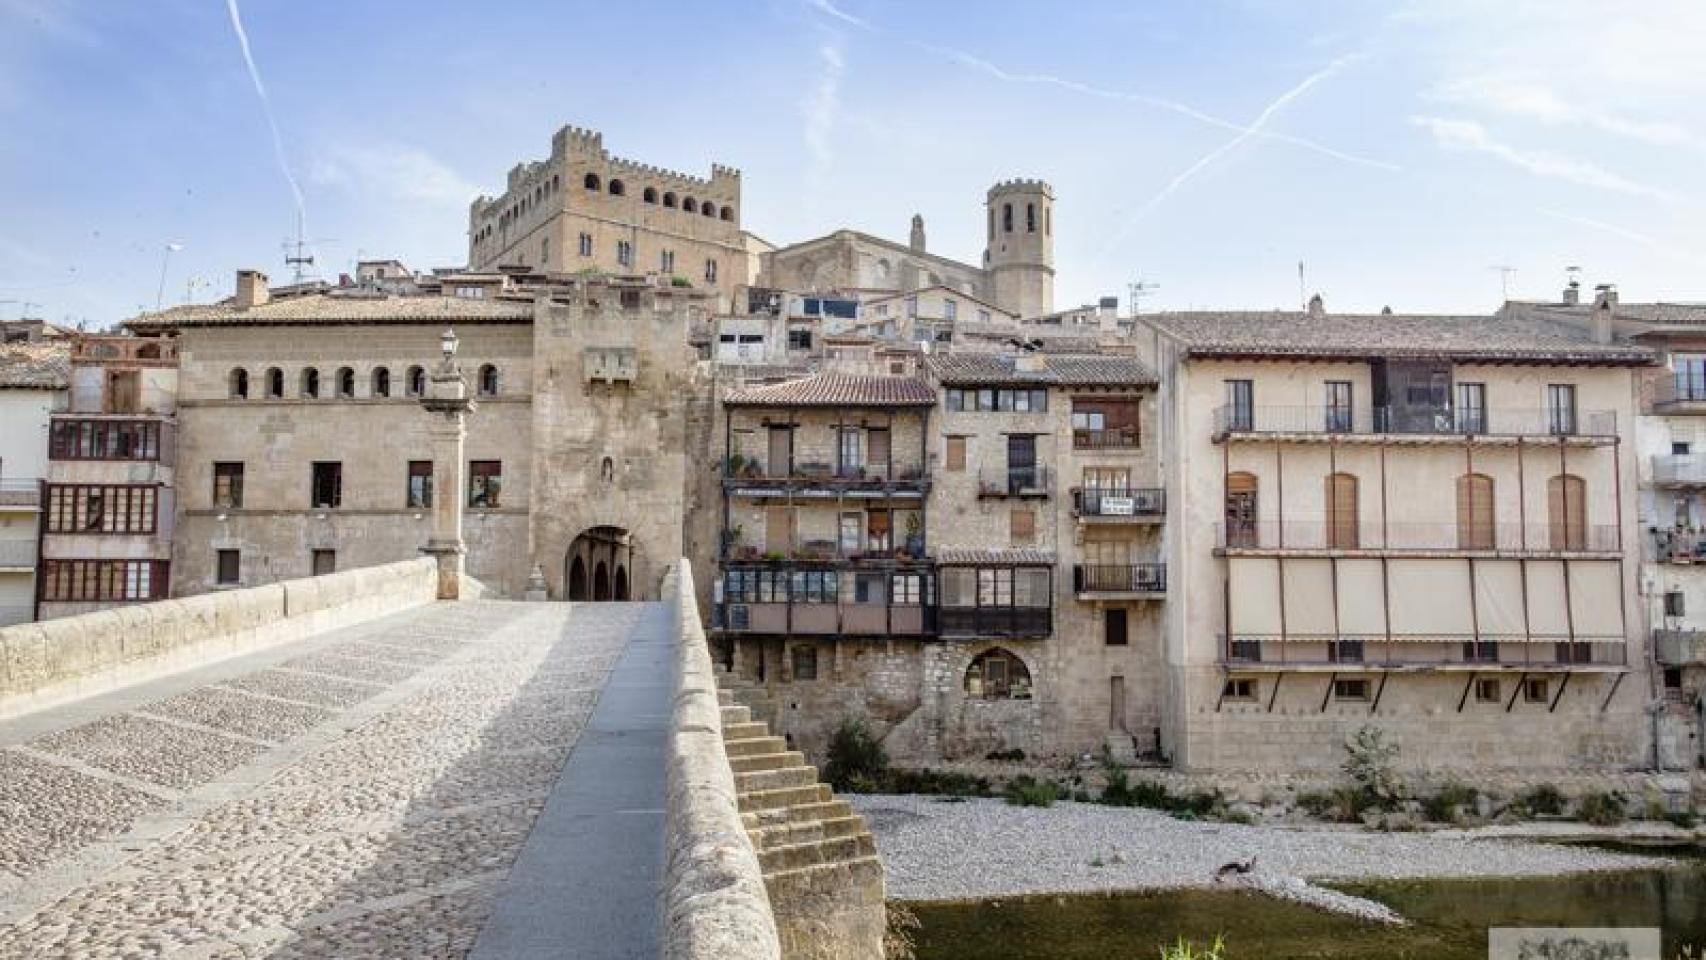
(935, 783)
(1442, 807)
(1340, 804)
(1686, 819)
(1602, 809)
(1013, 755)
(1027, 791)
(1121, 792)
(1371, 762)
(1544, 800)
(855, 759)
(680, 282)
(1183, 949)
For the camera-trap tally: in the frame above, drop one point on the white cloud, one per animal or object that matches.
(400, 173)
(821, 108)
(830, 9)
(1471, 137)
(1533, 100)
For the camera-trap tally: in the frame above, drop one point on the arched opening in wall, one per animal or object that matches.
(591, 181)
(1566, 512)
(728, 214)
(346, 382)
(488, 381)
(311, 383)
(239, 384)
(649, 195)
(381, 382)
(669, 199)
(709, 210)
(415, 384)
(1476, 528)
(599, 565)
(275, 383)
(617, 188)
(690, 205)
(577, 580)
(997, 674)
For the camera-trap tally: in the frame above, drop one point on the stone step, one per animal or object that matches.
(816, 853)
(736, 714)
(783, 834)
(752, 763)
(758, 781)
(785, 797)
(783, 883)
(762, 744)
(745, 730)
(831, 809)
(725, 697)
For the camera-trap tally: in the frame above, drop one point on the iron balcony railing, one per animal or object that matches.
(1111, 438)
(1681, 469)
(1031, 481)
(17, 554)
(1376, 650)
(1134, 502)
(753, 470)
(1679, 648)
(1427, 421)
(1119, 578)
(1419, 537)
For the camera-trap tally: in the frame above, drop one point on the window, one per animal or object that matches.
(586, 245)
(380, 385)
(124, 391)
(104, 440)
(669, 200)
(1022, 525)
(1239, 689)
(983, 316)
(950, 309)
(666, 261)
(1674, 604)
(1241, 529)
(955, 459)
(1673, 678)
(624, 253)
(485, 482)
(346, 382)
(689, 205)
(1341, 500)
(1536, 690)
(479, 293)
(869, 587)
(805, 661)
(275, 383)
(989, 400)
(906, 589)
(418, 495)
(1353, 690)
(488, 380)
(649, 195)
(1007, 218)
(228, 485)
(997, 675)
(310, 383)
(1240, 405)
(1475, 529)
(727, 213)
(544, 257)
(1688, 372)
(327, 489)
(414, 383)
(82, 580)
(850, 531)
(710, 271)
(239, 384)
(1030, 218)
(1566, 512)
(850, 456)
(1114, 627)
(590, 181)
(800, 339)
(1487, 690)
(1338, 407)
(1104, 423)
(227, 564)
(616, 188)
(323, 562)
(815, 586)
(1561, 409)
(912, 308)
(89, 508)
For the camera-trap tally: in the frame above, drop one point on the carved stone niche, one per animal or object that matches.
(611, 364)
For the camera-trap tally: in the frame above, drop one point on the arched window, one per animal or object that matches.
(709, 210)
(310, 382)
(1030, 218)
(1007, 218)
(415, 385)
(616, 188)
(728, 213)
(1341, 501)
(996, 674)
(649, 195)
(1566, 512)
(689, 205)
(240, 384)
(1241, 510)
(346, 383)
(488, 381)
(1475, 525)
(669, 199)
(591, 181)
(275, 383)
(381, 382)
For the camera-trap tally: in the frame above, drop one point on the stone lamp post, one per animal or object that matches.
(447, 404)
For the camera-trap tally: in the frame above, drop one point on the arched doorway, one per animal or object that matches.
(577, 579)
(600, 565)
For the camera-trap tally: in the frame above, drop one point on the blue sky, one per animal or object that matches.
(1401, 150)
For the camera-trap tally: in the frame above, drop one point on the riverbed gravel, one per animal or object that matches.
(976, 849)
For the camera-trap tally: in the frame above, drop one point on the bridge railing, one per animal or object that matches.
(714, 902)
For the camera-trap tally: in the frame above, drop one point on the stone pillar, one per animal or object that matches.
(447, 404)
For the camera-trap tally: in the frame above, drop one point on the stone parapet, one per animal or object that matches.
(714, 902)
(58, 660)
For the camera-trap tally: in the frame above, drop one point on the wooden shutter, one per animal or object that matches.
(1475, 512)
(1566, 512)
(1341, 500)
(956, 459)
(1024, 526)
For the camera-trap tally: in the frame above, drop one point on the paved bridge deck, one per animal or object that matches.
(391, 789)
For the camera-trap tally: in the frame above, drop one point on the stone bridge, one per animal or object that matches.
(345, 767)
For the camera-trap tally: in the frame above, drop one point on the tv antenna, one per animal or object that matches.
(1137, 290)
(1505, 271)
(298, 254)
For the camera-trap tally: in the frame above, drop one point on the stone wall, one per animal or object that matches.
(58, 660)
(714, 901)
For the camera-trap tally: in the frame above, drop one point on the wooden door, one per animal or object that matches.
(1566, 512)
(1241, 510)
(781, 463)
(779, 530)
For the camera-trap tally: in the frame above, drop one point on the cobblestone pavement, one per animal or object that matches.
(362, 799)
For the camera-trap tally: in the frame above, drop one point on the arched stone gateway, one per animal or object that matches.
(599, 565)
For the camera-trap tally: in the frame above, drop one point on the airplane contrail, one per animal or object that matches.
(266, 108)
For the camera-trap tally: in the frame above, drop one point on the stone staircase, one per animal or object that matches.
(820, 862)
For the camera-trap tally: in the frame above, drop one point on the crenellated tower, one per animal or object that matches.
(1020, 254)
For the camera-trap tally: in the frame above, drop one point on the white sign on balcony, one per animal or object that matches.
(1119, 506)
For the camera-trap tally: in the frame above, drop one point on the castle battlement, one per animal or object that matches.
(1022, 185)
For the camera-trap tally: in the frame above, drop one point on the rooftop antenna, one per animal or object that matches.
(165, 261)
(297, 255)
(1505, 271)
(1302, 289)
(192, 285)
(1137, 290)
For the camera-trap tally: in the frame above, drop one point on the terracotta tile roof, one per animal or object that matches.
(1024, 556)
(342, 307)
(838, 390)
(1066, 370)
(1298, 334)
(40, 365)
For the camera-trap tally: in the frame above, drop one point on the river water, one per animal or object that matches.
(1449, 919)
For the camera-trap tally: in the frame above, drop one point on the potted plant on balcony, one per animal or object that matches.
(731, 538)
(732, 465)
(914, 536)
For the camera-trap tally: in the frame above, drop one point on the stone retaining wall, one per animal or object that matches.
(57, 660)
(714, 902)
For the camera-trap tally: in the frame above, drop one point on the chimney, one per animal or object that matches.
(1604, 305)
(1573, 293)
(1605, 295)
(918, 232)
(1108, 306)
(1317, 308)
(251, 289)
